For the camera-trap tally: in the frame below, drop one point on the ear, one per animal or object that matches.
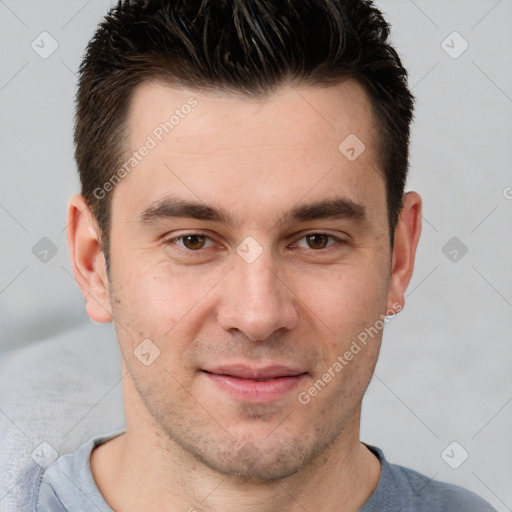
(407, 235)
(87, 259)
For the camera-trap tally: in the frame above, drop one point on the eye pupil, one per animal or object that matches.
(193, 241)
(317, 241)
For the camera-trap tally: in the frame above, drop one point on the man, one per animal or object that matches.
(243, 224)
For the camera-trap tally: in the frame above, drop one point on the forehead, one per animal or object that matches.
(296, 141)
(288, 114)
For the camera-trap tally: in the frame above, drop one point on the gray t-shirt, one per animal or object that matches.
(68, 486)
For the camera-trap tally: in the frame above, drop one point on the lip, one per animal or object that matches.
(261, 385)
(250, 372)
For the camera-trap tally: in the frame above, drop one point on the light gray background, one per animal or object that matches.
(444, 371)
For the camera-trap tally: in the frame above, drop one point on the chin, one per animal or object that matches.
(252, 454)
(252, 464)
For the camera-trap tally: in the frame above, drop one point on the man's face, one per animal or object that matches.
(249, 314)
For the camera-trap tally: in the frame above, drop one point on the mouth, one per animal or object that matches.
(253, 384)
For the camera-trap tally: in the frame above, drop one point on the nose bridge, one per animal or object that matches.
(259, 279)
(256, 265)
(259, 302)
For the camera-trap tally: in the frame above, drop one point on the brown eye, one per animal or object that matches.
(194, 242)
(317, 241)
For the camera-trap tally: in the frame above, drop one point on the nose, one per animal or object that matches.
(257, 300)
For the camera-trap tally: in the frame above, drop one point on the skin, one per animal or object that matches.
(189, 444)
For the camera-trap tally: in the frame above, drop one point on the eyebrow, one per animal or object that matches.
(174, 207)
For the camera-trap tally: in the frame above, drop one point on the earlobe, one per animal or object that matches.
(87, 259)
(407, 234)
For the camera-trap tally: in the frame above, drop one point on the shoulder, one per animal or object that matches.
(426, 494)
(54, 395)
(401, 488)
(68, 483)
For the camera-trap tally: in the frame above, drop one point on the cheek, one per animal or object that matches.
(158, 301)
(145, 299)
(346, 299)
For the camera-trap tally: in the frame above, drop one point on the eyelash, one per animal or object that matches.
(190, 252)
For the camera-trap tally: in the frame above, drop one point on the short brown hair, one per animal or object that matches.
(245, 46)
